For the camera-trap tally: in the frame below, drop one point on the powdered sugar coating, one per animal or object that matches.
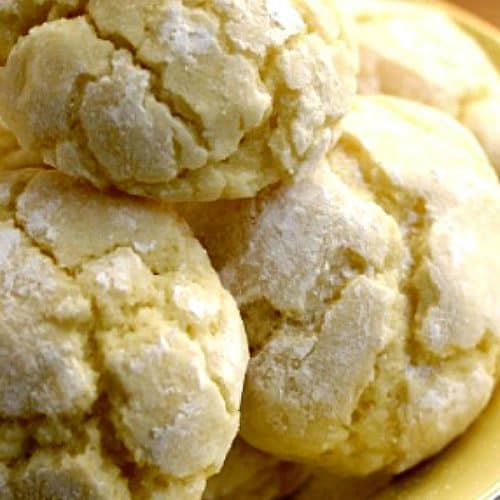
(178, 100)
(96, 356)
(368, 287)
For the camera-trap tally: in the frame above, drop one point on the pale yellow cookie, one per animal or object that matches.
(369, 290)
(249, 474)
(178, 100)
(122, 358)
(417, 52)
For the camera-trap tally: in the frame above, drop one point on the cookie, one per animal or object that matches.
(122, 358)
(417, 52)
(177, 101)
(368, 287)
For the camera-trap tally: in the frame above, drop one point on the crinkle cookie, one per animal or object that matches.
(122, 358)
(173, 99)
(369, 290)
(249, 474)
(418, 52)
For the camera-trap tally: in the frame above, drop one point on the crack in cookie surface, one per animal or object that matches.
(355, 282)
(150, 350)
(194, 91)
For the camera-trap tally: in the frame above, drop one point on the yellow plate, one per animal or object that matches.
(470, 468)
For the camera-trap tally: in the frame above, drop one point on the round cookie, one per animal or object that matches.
(180, 101)
(417, 52)
(368, 288)
(249, 474)
(122, 357)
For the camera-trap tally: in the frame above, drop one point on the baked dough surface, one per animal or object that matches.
(249, 474)
(11, 154)
(417, 52)
(122, 358)
(369, 290)
(174, 99)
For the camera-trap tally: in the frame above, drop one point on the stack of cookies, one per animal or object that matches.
(238, 259)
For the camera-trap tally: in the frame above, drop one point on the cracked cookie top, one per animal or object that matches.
(172, 99)
(369, 290)
(417, 52)
(122, 358)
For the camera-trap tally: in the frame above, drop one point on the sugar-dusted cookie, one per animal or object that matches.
(177, 100)
(369, 290)
(122, 358)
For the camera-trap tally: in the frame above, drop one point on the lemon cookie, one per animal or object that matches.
(122, 358)
(179, 100)
(418, 52)
(369, 290)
